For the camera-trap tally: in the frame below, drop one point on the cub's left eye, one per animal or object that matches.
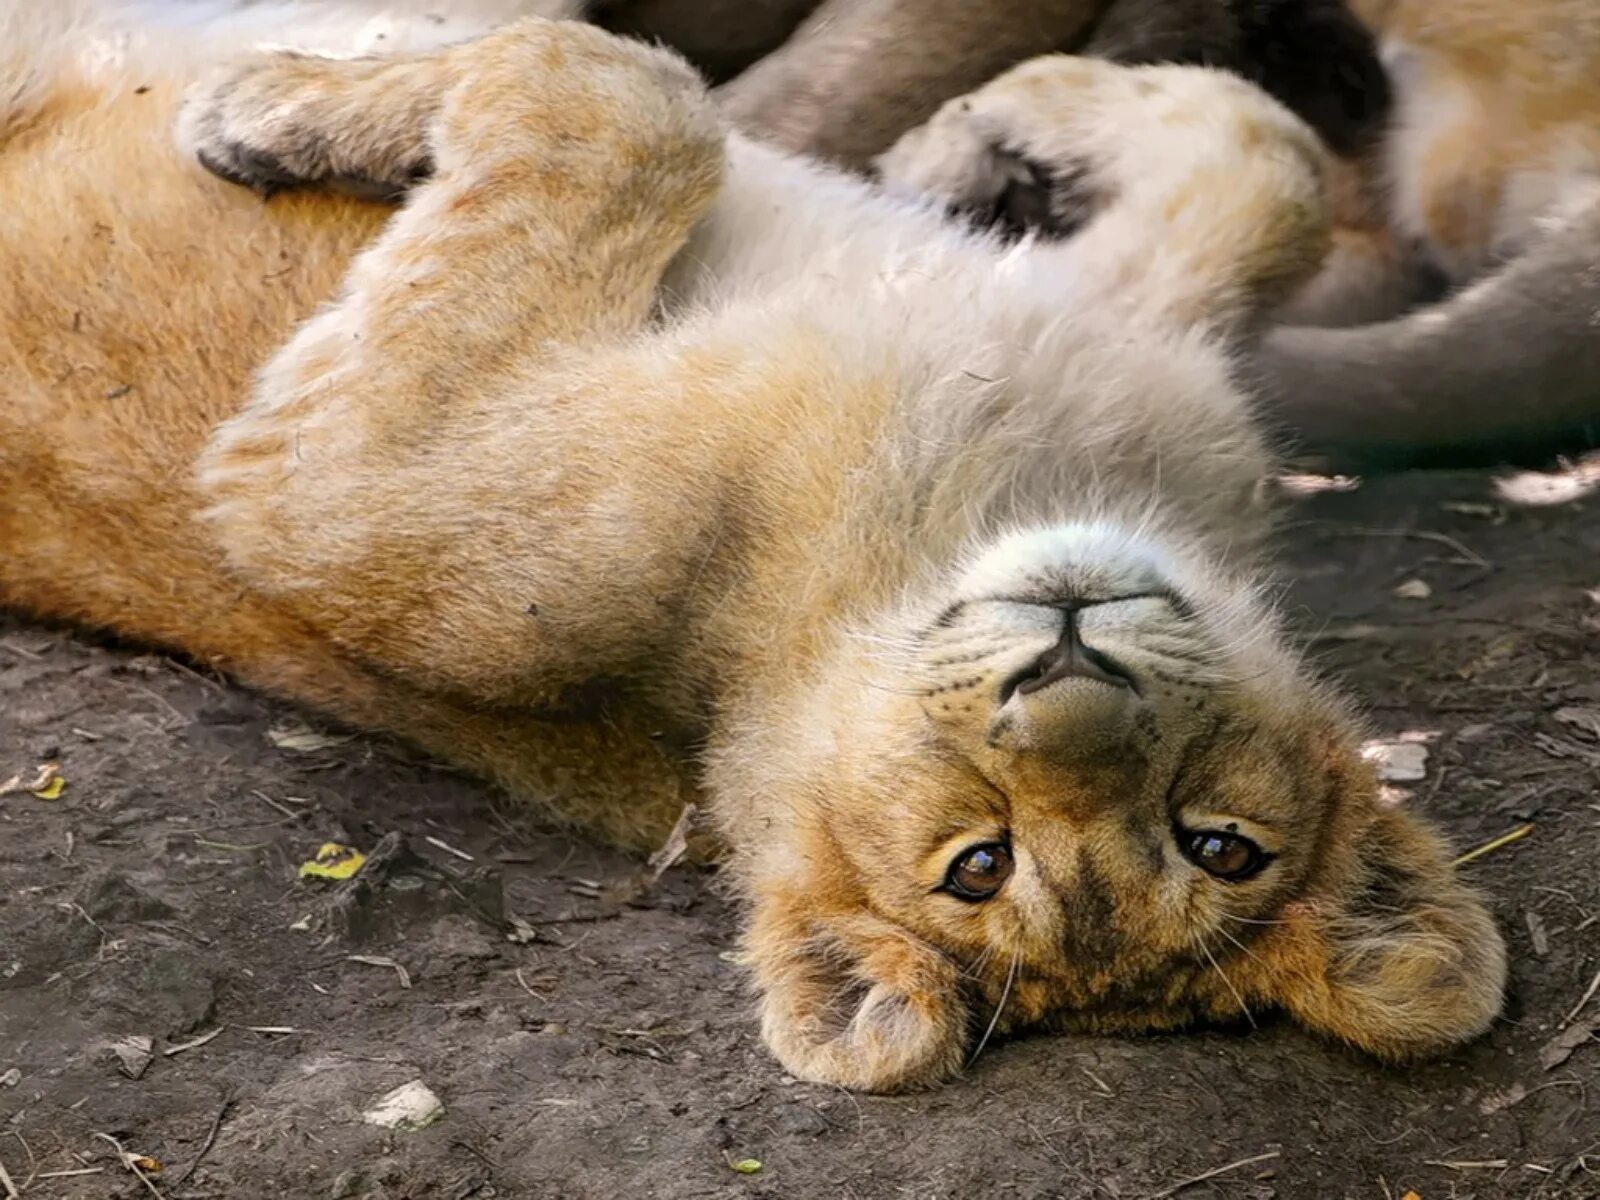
(980, 872)
(1223, 853)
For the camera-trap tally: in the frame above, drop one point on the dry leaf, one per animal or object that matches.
(676, 844)
(145, 1163)
(409, 1107)
(133, 1053)
(299, 738)
(1414, 589)
(333, 861)
(1559, 1048)
(1584, 720)
(1397, 762)
(45, 782)
(520, 933)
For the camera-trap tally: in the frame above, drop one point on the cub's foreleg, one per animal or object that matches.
(392, 479)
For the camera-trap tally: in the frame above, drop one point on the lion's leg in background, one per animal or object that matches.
(859, 73)
(398, 481)
(1505, 368)
(721, 37)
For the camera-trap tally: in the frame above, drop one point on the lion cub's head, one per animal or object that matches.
(1081, 785)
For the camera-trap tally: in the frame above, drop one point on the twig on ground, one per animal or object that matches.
(523, 984)
(211, 1137)
(1425, 535)
(1212, 1174)
(1594, 986)
(447, 848)
(288, 812)
(5, 1182)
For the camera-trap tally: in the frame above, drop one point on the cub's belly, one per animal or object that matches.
(137, 296)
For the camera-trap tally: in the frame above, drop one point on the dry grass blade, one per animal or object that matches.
(1212, 1174)
(1505, 839)
(381, 960)
(128, 1161)
(1491, 1164)
(193, 1043)
(1594, 986)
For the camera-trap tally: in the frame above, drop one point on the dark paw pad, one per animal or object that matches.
(254, 169)
(1051, 202)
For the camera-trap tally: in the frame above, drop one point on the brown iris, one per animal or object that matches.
(979, 872)
(1223, 853)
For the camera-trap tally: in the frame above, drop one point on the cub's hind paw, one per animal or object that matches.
(285, 120)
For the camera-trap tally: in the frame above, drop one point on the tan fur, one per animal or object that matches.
(775, 533)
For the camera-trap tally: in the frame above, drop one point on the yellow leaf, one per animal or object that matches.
(333, 861)
(145, 1163)
(45, 782)
(746, 1166)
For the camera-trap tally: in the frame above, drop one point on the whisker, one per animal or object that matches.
(1216, 966)
(1005, 995)
(974, 969)
(1242, 947)
(1228, 916)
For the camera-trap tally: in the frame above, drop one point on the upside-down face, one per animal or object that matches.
(1087, 789)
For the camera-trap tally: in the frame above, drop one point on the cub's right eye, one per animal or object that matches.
(979, 872)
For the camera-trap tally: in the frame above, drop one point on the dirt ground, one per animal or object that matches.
(611, 1052)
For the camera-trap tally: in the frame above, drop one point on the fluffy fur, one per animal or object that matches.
(628, 463)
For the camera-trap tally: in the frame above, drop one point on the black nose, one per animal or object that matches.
(1069, 658)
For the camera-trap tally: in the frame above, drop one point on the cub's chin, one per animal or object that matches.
(1084, 784)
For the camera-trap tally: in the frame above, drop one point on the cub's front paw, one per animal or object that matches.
(980, 168)
(286, 120)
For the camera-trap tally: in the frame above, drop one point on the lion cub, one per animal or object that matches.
(627, 463)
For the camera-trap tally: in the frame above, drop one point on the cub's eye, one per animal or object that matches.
(980, 872)
(1223, 853)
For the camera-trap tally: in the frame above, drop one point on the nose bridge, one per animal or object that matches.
(1089, 929)
(1090, 786)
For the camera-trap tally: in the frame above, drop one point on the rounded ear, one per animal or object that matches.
(1403, 961)
(851, 999)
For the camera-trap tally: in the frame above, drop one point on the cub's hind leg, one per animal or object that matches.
(395, 478)
(1192, 196)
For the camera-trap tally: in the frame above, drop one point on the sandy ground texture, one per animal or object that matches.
(172, 995)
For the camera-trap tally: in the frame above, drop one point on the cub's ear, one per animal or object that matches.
(851, 999)
(1402, 959)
